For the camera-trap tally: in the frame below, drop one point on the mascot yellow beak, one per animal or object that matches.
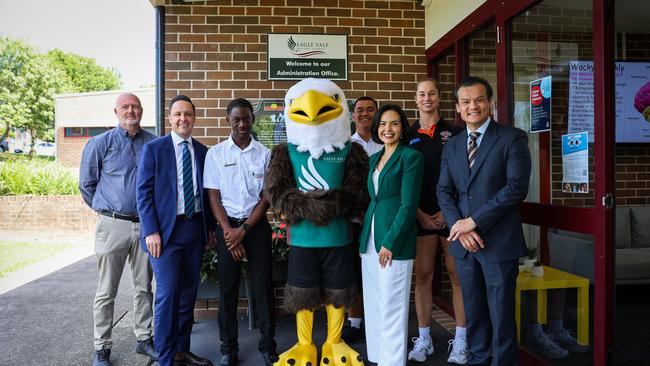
(314, 108)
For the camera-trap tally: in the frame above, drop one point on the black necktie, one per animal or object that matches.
(472, 148)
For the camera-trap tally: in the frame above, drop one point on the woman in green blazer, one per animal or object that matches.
(388, 237)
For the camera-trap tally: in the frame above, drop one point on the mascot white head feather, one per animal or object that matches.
(317, 116)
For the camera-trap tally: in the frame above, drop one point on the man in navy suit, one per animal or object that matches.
(175, 219)
(484, 177)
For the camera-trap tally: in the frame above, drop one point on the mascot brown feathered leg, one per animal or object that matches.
(317, 181)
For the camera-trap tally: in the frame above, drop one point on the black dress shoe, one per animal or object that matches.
(229, 360)
(146, 348)
(269, 358)
(190, 359)
(352, 334)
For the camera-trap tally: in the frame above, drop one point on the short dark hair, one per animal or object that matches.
(182, 97)
(239, 103)
(365, 97)
(471, 81)
(374, 128)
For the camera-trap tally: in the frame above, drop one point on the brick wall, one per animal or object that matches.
(45, 213)
(216, 51)
(68, 149)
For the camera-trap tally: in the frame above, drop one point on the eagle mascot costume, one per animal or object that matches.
(317, 181)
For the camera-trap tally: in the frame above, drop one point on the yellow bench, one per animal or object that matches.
(554, 279)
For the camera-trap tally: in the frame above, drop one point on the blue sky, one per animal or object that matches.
(117, 33)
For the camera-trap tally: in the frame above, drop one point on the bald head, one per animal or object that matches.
(128, 111)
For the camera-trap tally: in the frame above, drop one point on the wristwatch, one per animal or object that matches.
(245, 226)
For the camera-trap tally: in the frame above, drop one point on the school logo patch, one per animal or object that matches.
(445, 135)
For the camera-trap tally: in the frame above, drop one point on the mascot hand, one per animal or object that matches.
(299, 355)
(339, 354)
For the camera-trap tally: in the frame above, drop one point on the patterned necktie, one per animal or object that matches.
(472, 148)
(188, 183)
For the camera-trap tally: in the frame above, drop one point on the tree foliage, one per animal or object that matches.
(84, 73)
(28, 84)
(29, 81)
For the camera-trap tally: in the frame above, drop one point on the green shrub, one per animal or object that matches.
(20, 175)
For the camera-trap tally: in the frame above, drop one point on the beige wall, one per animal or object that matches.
(95, 109)
(442, 15)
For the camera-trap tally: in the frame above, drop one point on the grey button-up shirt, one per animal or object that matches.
(109, 164)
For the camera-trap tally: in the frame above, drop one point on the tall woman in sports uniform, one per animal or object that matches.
(428, 135)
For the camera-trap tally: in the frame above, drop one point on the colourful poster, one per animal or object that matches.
(632, 100)
(540, 104)
(575, 163)
(269, 128)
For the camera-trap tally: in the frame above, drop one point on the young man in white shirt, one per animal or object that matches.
(363, 111)
(234, 178)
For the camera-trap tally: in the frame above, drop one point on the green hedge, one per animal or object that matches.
(22, 175)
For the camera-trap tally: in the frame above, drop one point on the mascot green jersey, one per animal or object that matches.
(317, 181)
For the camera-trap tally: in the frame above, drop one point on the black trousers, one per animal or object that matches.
(257, 243)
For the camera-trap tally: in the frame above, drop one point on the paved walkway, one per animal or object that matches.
(49, 321)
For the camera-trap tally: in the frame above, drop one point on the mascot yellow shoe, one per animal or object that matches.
(317, 181)
(335, 351)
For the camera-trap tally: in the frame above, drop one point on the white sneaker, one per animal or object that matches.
(421, 349)
(459, 351)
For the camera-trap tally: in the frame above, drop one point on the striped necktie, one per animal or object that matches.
(472, 148)
(188, 181)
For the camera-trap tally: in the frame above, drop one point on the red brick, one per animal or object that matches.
(353, 22)
(272, 2)
(351, 3)
(232, 10)
(285, 11)
(218, 19)
(232, 47)
(245, 56)
(191, 19)
(285, 29)
(343, 13)
(407, 5)
(201, 28)
(218, 56)
(325, 21)
(338, 30)
(258, 29)
(312, 12)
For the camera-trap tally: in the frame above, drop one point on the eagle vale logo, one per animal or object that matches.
(310, 178)
(306, 49)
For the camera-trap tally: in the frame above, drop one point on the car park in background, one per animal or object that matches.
(45, 148)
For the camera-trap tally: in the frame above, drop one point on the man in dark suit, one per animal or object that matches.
(484, 177)
(175, 219)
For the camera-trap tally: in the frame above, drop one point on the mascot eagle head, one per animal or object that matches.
(317, 116)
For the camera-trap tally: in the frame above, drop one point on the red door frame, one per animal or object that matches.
(599, 220)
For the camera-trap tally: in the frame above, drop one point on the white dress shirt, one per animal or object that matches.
(238, 175)
(480, 130)
(178, 150)
(371, 147)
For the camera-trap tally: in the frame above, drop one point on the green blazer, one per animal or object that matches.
(395, 203)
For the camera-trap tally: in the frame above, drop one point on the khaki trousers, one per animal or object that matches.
(116, 241)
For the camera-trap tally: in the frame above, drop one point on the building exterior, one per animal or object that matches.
(215, 51)
(81, 116)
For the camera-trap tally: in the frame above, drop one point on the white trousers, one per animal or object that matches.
(386, 293)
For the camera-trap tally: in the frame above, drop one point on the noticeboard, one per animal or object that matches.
(298, 56)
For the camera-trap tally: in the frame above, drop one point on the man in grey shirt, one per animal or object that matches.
(107, 184)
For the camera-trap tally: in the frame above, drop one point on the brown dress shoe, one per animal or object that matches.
(190, 359)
